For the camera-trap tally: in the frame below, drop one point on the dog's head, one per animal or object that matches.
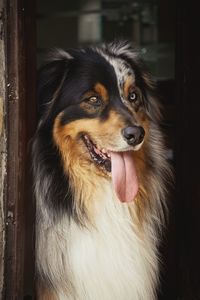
(98, 103)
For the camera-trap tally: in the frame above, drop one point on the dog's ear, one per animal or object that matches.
(50, 79)
(150, 95)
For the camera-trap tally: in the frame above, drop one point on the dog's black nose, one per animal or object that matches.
(134, 135)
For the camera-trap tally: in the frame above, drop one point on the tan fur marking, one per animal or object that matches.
(129, 82)
(45, 294)
(100, 132)
(90, 108)
(102, 91)
(142, 173)
(142, 196)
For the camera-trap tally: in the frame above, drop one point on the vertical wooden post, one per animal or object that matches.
(19, 205)
(3, 144)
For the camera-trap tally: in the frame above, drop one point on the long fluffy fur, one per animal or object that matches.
(89, 245)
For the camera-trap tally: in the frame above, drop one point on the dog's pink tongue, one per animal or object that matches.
(124, 175)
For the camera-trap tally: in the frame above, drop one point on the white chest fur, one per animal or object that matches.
(112, 260)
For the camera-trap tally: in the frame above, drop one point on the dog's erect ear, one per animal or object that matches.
(154, 107)
(50, 80)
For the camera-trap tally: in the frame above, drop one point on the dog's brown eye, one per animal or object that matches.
(94, 100)
(132, 97)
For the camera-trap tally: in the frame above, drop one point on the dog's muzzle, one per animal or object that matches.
(133, 135)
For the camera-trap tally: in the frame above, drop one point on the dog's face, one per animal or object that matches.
(97, 105)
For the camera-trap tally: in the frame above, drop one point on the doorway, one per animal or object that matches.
(167, 34)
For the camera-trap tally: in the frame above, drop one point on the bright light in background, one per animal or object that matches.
(89, 22)
(76, 23)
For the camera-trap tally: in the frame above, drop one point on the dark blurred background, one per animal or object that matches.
(148, 24)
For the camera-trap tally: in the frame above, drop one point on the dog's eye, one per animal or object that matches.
(132, 97)
(94, 100)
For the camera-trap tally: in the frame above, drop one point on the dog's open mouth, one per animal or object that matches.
(100, 156)
(122, 168)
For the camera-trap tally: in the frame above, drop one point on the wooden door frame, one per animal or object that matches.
(20, 45)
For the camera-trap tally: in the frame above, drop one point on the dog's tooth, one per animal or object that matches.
(97, 151)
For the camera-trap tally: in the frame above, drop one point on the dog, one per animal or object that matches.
(100, 176)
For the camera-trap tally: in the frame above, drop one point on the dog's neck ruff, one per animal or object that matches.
(109, 260)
